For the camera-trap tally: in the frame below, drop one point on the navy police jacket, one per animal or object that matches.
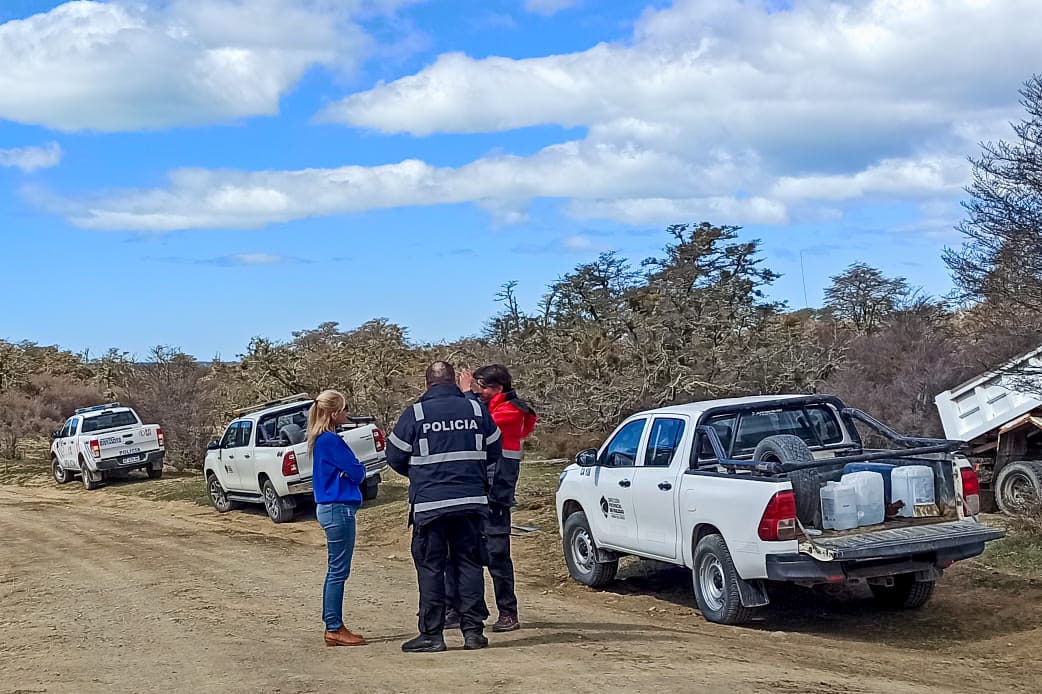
(445, 444)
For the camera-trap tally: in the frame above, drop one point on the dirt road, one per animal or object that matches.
(104, 592)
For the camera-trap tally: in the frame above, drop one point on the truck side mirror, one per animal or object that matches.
(213, 445)
(56, 434)
(587, 458)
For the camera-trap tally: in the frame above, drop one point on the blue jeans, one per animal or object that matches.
(338, 520)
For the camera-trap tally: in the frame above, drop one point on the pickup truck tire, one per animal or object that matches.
(786, 448)
(61, 475)
(580, 553)
(905, 594)
(716, 583)
(783, 448)
(1018, 487)
(370, 489)
(154, 474)
(279, 510)
(218, 497)
(88, 484)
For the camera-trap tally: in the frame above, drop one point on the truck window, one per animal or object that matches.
(622, 451)
(245, 432)
(816, 425)
(72, 427)
(724, 427)
(231, 434)
(109, 420)
(269, 427)
(663, 443)
(65, 430)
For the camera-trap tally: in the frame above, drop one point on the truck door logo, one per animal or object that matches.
(612, 508)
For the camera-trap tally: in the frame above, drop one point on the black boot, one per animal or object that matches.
(452, 619)
(424, 644)
(474, 641)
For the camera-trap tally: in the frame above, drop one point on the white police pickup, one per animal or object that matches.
(263, 458)
(103, 442)
(730, 489)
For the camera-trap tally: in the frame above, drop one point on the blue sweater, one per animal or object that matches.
(337, 472)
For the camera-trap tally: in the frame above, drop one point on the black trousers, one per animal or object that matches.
(500, 565)
(450, 544)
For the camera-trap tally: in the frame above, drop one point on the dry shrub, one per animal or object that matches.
(1026, 524)
(561, 443)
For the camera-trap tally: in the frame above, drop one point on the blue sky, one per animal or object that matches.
(195, 173)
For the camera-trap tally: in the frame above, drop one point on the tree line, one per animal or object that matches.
(614, 336)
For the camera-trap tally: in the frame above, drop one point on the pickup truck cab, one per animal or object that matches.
(106, 441)
(730, 489)
(262, 458)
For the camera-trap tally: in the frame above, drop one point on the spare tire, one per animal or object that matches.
(291, 435)
(783, 448)
(787, 450)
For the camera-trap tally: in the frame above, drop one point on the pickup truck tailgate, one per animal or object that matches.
(899, 542)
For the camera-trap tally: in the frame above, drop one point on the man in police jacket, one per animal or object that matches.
(444, 444)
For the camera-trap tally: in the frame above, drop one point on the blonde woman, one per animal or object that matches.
(337, 474)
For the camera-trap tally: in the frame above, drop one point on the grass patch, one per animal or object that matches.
(1015, 554)
(1020, 552)
(22, 473)
(175, 486)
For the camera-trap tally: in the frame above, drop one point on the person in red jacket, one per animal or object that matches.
(516, 419)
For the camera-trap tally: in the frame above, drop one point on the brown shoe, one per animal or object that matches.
(343, 637)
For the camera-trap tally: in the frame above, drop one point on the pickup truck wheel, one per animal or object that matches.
(88, 483)
(716, 583)
(905, 594)
(1018, 487)
(370, 489)
(279, 510)
(580, 553)
(61, 475)
(218, 497)
(154, 474)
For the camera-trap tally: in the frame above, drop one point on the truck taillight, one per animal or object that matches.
(95, 448)
(970, 492)
(379, 442)
(289, 464)
(779, 518)
(160, 438)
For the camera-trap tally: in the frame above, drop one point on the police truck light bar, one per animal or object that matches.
(97, 408)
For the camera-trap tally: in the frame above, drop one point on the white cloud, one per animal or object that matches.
(128, 65)
(577, 171)
(713, 109)
(549, 7)
(255, 259)
(895, 177)
(32, 158)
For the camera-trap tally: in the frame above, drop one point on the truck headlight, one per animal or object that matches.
(560, 479)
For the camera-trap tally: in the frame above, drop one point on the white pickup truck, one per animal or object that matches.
(106, 441)
(263, 458)
(730, 489)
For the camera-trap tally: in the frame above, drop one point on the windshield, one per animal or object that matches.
(109, 420)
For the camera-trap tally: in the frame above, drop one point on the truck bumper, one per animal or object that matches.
(153, 459)
(801, 568)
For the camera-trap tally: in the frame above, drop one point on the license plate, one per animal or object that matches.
(133, 459)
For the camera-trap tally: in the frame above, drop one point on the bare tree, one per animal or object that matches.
(864, 297)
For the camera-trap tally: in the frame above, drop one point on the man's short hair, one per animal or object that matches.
(440, 373)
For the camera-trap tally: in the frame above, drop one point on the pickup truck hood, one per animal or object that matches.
(899, 542)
